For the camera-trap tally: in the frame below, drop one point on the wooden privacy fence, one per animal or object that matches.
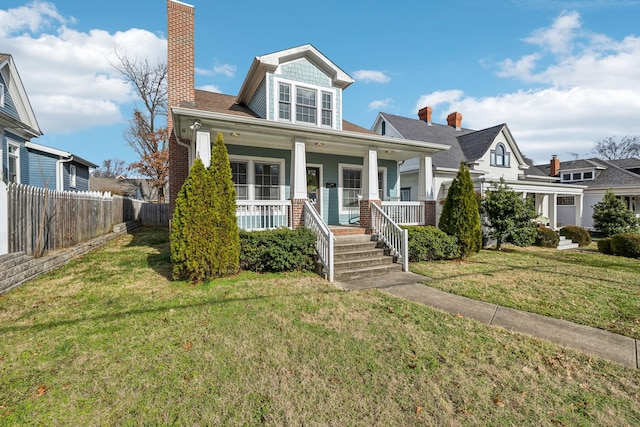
(41, 220)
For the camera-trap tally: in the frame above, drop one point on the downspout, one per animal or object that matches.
(60, 173)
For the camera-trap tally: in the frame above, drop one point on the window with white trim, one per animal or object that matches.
(405, 194)
(267, 179)
(240, 182)
(577, 176)
(350, 177)
(1, 95)
(72, 176)
(13, 160)
(500, 156)
(566, 200)
(257, 178)
(300, 103)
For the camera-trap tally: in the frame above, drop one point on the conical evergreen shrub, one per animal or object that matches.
(192, 230)
(460, 214)
(225, 223)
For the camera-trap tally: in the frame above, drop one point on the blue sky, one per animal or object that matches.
(561, 74)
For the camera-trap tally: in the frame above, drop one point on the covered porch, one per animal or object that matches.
(277, 167)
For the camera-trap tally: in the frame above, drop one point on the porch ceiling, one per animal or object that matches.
(255, 132)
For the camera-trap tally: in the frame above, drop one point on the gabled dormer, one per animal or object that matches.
(298, 85)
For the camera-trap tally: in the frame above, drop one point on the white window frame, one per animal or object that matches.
(16, 156)
(342, 167)
(1, 95)
(73, 174)
(506, 157)
(251, 178)
(581, 176)
(566, 200)
(293, 85)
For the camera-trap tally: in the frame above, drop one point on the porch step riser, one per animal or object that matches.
(346, 266)
(346, 256)
(565, 244)
(367, 273)
(356, 247)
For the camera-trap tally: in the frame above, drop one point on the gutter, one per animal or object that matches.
(60, 173)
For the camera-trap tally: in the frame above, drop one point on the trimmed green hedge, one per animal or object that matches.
(278, 250)
(626, 244)
(427, 243)
(576, 234)
(604, 245)
(547, 238)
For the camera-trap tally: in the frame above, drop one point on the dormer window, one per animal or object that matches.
(577, 176)
(500, 157)
(305, 104)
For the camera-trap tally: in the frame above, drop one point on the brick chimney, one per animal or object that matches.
(424, 114)
(554, 166)
(180, 86)
(455, 120)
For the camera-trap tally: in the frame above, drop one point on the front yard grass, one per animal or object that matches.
(109, 340)
(582, 286)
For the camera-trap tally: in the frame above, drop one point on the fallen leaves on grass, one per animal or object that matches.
(42, 390)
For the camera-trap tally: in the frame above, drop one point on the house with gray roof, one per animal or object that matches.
(490, 153)
(621, 176)
(23, 161)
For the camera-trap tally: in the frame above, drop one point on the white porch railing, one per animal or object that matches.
(325, 238)
(396, 238)
(405, 213)
(263, 214)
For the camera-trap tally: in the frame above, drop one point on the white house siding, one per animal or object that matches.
(496, 172)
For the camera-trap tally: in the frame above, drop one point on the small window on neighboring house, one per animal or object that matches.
(14, 163)
(587, 175)
(566, 201)
(499, 156)
(285, 102)
(1, 95)
(239, 177)
(405, 194)
(327, 109)
(566, 177)
(384, 128)
(72, 176)
(576, 176)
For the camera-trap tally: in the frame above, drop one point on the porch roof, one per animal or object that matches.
(538, 187)
(240, 127)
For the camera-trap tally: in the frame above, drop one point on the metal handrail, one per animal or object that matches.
(395, 237)
(325, 239)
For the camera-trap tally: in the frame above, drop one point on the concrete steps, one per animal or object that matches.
(360, 256)
(566, 244)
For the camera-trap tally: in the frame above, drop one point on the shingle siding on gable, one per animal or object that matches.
(42, 169)
(9, 106)
(302, 70)
(258, 103)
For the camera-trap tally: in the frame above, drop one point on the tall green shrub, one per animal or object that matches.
(192, 230)
(225, 223)
(460, 215)
(509, 216)
(611, 216)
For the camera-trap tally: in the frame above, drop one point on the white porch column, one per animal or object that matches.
(553, 210)
(370, 176)
(578, 202)
(298, 182)
(203, 146)
(425, 178)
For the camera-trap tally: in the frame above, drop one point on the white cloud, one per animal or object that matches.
(80, 88)
(371, 76)
(586, 89)
(380, 104)
(224, 69)
(210, 88)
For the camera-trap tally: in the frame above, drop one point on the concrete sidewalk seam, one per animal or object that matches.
(494, 314)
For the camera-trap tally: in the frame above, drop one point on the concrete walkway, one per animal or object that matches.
(610, 346)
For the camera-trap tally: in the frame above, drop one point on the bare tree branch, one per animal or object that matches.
(111, 168)
(611, 149)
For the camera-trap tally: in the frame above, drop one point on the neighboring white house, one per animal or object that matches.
(598, 175)
(490, 153)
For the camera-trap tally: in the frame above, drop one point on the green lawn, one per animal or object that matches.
(109, 340)
(583, 286)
